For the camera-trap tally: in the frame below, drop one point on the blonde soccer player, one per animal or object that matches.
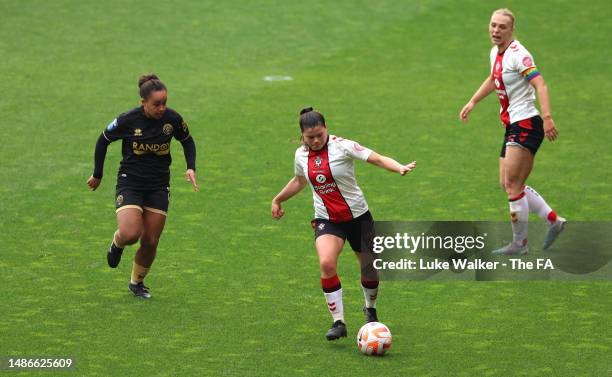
(516, 80)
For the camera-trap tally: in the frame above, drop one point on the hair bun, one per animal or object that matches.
(306, 110)
(146, 77)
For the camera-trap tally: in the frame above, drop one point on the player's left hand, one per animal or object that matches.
(550, 131)
(407, 168)
(93, 183)
(190, 176)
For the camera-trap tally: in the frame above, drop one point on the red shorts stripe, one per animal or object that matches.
(525, 123)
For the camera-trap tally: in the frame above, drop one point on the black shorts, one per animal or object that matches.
(359, 231)
(527, 133)
(151, 200)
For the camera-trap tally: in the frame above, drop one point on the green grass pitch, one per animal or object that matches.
(236, 293)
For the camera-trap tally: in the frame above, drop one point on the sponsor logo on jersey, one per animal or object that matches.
(167, 130)
(119, 200)
(184, 126)
(146, 148)
(112, 125)
(358, 147)
(327, 188)
(321, 178)
(321, 226)
(137, 132)
(527, 62)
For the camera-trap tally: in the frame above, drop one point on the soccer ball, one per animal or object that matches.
(374, 338)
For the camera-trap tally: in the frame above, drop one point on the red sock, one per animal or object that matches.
(330, 284)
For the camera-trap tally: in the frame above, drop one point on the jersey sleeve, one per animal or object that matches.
(523, 61)
(355, 150)
(114, 130)
(181, 132)
(298, 169)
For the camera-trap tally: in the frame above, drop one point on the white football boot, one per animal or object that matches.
(513, 248)
(553, 231)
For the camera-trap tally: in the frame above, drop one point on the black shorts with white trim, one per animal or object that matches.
(359, 231)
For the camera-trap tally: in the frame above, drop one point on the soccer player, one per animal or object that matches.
(515, 79)
(326, 163)
(143, 180)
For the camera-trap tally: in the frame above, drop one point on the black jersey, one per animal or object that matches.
(146, 147)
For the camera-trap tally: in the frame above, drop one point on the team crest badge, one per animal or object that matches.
(321, 178)
(112, 125)
(167, 130)
(137, 132)
(119, 200)
(318, 161)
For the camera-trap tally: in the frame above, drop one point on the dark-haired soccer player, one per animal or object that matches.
(515, 79)
(143, 180)
(326, 163)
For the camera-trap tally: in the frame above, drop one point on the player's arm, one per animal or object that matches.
(114, 131)
(550, 130)
(295, 185)
(99, 155)
(485, 89)
(189, 149)
(390, 164)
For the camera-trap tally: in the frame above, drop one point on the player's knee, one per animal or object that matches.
(513, 187)
(328, 267)
(130, 236)
(149, 241)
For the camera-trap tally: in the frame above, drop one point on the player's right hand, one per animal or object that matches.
(93, 183)
(463, 115)
(277, 210)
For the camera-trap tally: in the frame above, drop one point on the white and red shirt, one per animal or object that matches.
(331, 175)
(511, 71)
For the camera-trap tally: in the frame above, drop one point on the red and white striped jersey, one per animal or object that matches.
(511, 71)
(331, 175)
